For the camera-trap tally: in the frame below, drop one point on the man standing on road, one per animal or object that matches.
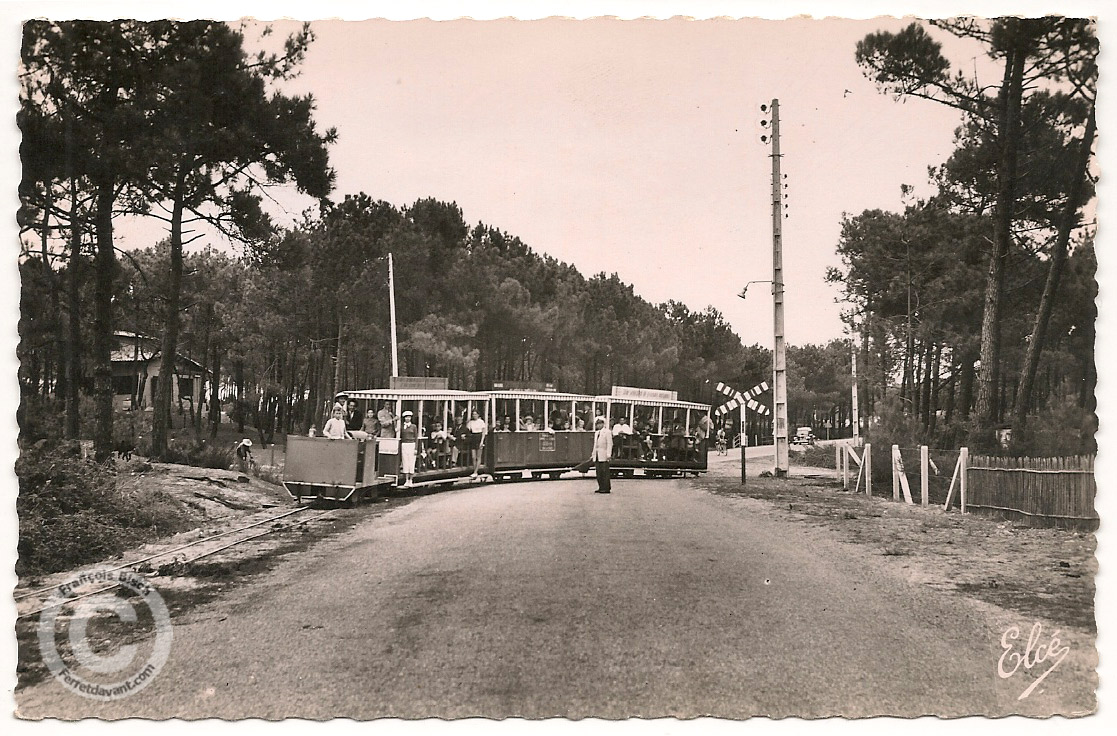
(602, 451)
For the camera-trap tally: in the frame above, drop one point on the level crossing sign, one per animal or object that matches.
(737, 398)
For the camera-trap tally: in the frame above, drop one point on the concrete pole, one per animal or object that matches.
(392, 309)
(779, 353)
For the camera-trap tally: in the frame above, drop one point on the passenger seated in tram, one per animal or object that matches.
(528, 424)
(504, 425)
(440, 440)
(625, 444)
(676, 442)
(335, 427)
(579, 423)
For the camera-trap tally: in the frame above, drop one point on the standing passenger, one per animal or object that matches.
(408, 436)
(702, 432)
(478, 430)
(387, 419)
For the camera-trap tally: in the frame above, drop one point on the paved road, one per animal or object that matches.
(543, 599)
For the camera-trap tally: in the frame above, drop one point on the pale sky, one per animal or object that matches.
(632, 146)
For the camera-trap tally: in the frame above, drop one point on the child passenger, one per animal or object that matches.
(335, 428)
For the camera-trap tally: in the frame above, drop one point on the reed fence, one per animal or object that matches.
(1046, 491)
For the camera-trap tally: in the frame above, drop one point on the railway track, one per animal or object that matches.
(42, 599)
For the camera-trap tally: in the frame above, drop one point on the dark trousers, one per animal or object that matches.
(602, 469)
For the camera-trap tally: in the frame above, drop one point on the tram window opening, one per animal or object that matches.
(583, 416)
(600, 409)
(505, 415)
(531, 414)
(559, 416)
(643, 421)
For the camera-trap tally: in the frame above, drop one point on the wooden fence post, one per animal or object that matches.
(867, 468)
(923, 479)
(895, 474)
(838, 462)
(963, 479)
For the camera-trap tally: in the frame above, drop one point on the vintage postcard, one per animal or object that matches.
(609, 363)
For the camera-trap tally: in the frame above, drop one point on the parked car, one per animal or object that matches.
(803, 436)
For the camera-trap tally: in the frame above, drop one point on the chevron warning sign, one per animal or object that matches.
(738, 398)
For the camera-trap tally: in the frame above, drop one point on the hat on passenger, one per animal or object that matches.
(246, 442)
(408, 414)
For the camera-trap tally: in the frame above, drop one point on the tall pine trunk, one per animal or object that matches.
(105, 264)
(1055, 270)
(161, 417)
(1008, 132)
(72, 420)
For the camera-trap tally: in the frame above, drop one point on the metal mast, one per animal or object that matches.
(779, 353)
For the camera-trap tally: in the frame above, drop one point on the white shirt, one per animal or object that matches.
(620, 428)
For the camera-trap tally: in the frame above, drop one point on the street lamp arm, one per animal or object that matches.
(744, 290)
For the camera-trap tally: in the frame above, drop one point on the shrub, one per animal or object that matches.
(1061, 429)
(815, 457)
(199, 453)
(71, 511)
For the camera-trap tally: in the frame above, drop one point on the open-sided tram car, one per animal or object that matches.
(531, 433)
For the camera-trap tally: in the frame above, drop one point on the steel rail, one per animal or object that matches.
(205, 554)
(170, 551)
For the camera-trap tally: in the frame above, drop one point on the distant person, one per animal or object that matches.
(602, 452)
(386, 419)
(528, 424)
(507, 425)
(244, 455)
(722, 445)
(622, 427)
(335, 429)
(408, 439)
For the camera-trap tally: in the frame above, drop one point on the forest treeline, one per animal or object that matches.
(979, 300)
(970, 309)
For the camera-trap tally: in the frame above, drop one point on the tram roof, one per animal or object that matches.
(434, 394)
(549, 395)
(413, 393)
(654, 402)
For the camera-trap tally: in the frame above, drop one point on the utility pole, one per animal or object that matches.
(392, 310)
(853, 390)
(779, 353)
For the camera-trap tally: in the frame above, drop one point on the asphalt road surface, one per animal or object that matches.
(544, 599)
